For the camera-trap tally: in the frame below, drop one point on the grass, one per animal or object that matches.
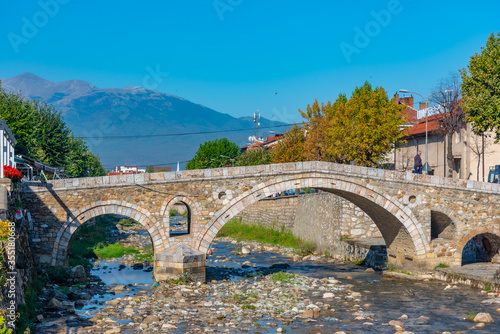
(487, 287)
(282, 277)
(471, 315)
(89, 243)
(239, 231)
(442, 265)
(113, 251)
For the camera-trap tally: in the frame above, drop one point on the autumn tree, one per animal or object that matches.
(213, 154)
(315, 126)
(292, 146)
(481, 88)
(362, 128)
(451, 116)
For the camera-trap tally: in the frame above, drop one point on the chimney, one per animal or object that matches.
(422, 105)
(396, 97)
(408, 100)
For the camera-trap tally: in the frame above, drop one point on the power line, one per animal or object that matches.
(180, 134)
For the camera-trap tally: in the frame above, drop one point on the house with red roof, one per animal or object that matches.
(469, 162)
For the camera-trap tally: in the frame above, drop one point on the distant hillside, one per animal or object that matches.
(134, 111)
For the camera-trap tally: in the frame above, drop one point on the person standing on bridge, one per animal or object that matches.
(418, 163)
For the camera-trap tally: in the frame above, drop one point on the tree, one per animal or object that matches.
(481, 88)
(43, 135)
(451, 116)
(150, 169)
(253, 157)
(362, 128)
(315, 126)
(480, 146)
(292, 146)
(213, 154)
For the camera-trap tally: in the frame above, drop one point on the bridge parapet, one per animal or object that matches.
(263, 170)
(402, 205)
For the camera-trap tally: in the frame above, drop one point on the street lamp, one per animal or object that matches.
(426, 167)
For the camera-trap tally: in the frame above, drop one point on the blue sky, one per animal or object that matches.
(237, 56)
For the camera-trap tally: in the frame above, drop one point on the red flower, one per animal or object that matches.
(12, 173)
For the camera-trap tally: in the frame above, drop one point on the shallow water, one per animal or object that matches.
(382, 299)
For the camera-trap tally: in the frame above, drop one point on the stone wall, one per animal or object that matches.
(24, 264)
(272, 212)
(322, 218)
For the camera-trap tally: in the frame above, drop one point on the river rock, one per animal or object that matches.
(245, 251)
(396, 323)
(280, 266)
(308, 314)
(483, 317)
(53, 303)
(138, 266)
(404, 316)
(79, 274)
(328, 295)
(119, 288)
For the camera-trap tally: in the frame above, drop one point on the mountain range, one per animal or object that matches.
(135, 125)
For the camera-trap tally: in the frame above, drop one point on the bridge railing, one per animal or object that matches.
(262, 170)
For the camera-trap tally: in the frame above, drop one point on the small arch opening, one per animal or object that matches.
(179, 219)
(481, 248)
(441, 226)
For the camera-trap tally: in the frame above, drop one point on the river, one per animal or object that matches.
(430, 307)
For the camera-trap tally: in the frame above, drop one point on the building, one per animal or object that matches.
(469, 162)
(265, 143)
(124, 170)
(7, 142)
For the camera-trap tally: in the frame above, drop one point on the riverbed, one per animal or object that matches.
(241, 296)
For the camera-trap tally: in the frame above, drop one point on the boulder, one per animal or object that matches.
(79, 274)
(483, 317)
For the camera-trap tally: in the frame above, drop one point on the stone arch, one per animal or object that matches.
(478, 235)
(80, 216)
(169, 203)
(393, 219)
(443, 223)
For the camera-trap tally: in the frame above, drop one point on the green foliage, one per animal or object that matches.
(283, 277)
(127, 222)
(253, 157)
(236, 229)
(58, 275)
(481, 88)
(213, 153)
(362, 128)
(173, 212)
(28, 311)
(43, 135)
(113, 251)
(487, 287)
(145, 255)
(471, 315)
(150, 169)
(441, 265)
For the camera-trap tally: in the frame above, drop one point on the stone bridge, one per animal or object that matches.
(424, 220)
